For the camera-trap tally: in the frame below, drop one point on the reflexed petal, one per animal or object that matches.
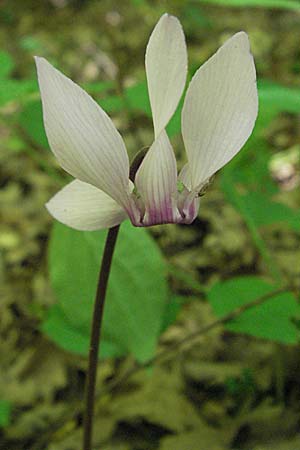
(84, 207)
(166, 68)
(156, 182)
(81, 135)
(220, 108)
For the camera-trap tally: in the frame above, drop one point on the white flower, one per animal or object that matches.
(218, 116)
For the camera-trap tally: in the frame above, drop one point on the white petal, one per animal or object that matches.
(84, 207)
(81, 135)
(166, 68)
(185, 176)
(156, 182)
(220, 108)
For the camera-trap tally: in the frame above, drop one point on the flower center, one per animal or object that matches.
(182, 208)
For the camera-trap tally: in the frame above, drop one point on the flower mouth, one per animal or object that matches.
(181, 208)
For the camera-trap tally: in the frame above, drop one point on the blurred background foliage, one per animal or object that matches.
(237, 385)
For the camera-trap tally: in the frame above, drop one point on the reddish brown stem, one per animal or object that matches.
(95, 336)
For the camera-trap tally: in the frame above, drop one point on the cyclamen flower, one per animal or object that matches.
(218, 116)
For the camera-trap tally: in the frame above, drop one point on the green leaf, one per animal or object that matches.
(251, 168)
(280, 97)
(31, 44)
(138, 99)
(194, 17)
(112, 104)
(274, 99)
(174, 305)
(283, 4)
(11, 90)
(265, 211)
(31, 120)
(6, 64)
(97, 87)
(5, 413)
(71, 338)
(270, 320)
(138, 2)
(135, 99)
(233, 195)
(137, 291)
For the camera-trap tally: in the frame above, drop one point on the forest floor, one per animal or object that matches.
(221, 391)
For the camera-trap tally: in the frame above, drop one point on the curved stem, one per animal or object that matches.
(95, 336)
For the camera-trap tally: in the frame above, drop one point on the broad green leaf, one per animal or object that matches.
(230, 189)
(31, 44)
(11, 90)
(138, 99)
(97, 87)
(283, 4)
(265, 211)
(31, 120)
(280, 97)
(6, 64)
(135, 99)
(5, 413)
(137, 3)
(251, 168)
(137, 291)
(194, 17)
(274, 99)
(270, 320)
(71, 338)
(112, 104)
(174, 305)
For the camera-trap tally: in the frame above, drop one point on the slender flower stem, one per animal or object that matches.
(95, 336)
(97, 318)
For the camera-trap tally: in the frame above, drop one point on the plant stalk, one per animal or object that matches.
(97, 318)
(95, 336)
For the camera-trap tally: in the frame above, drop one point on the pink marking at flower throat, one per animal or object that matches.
(165, 212)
